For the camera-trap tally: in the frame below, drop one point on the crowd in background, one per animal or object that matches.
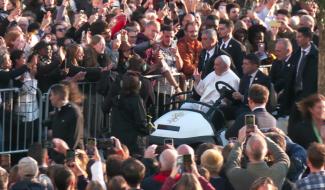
(266, 51)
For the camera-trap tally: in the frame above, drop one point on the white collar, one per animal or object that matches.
(253, 75)
(258, 107)
(224, 73)
(211, 51)
(65, 102)
(307, 49)
(225, 43)
(287, 59)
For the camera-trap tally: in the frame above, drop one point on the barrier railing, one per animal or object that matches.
(93, 116)
(24, 110)
(20, 118)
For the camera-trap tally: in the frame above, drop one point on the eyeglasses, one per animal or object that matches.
(61, 29)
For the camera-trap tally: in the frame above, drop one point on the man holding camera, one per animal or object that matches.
(256, 149)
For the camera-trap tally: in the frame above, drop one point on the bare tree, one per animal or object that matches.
(321, 58)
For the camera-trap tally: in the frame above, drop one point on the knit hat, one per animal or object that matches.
(225, 59)
(27, 167)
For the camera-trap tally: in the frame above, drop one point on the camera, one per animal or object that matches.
(169, 141)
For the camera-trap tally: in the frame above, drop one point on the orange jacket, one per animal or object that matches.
(189, 51)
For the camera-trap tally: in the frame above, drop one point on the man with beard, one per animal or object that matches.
(189, 48)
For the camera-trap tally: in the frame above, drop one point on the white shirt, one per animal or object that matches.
(210, 53)
(257, 107)
(206, 87)
(224, 44)
(306, 50)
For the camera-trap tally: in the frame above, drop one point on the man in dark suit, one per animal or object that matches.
(302, 81)
(303, 76)
(252, 75)
(257, 99)
(209, 53)
(282, 65)
(227, 43)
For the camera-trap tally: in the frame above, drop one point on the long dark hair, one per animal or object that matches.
(305, 104)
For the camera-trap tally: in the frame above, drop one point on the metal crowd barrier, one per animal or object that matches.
(20, 118)
(23, 111)
(91, 109)
(164, 90)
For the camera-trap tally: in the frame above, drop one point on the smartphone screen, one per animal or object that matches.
(249, 122)
(48, 144)
(187, 162)
(261, 47)
(91, 144)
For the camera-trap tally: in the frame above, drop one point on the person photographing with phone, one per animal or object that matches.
(256, 149)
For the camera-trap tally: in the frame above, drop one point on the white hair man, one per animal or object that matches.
(206, 87)
(167, 161)
(282, 65)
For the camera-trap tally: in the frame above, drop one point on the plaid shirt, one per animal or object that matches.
(314, 181)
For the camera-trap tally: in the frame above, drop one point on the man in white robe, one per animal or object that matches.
(206, 87)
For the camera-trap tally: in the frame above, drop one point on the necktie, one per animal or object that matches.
(207, 57)
(247, 83)
(300, 67)
(223, 45)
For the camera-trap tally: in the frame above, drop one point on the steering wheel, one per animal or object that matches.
(225, 90)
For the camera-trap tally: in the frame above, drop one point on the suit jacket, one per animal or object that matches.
(242, 178)
(263, 119)
(260, 78)
(237, 51)
(279, 73)
(309, 79)
(208, 67)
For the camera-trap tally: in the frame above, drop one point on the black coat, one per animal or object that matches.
(302, 133)
(263, 119)
(68, 125)
(128, 118)
(6, 76)
(49, 74)
(260, 78)
(208, 67)
(237, 51)
(93, 74)
(279, 73)
(146, 93)
(309, 79)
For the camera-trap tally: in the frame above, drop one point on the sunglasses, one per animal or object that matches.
(61, 29)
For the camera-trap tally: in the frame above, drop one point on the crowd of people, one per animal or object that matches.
(266, 51)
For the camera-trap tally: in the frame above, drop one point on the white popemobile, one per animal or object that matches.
(190, 126)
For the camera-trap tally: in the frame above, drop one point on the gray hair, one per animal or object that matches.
(309, 19)
(211, 33)
(257, 147)
(286, 42)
